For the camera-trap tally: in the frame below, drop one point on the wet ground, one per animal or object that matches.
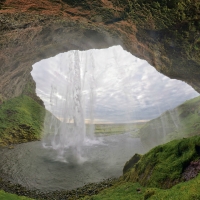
(37, 168)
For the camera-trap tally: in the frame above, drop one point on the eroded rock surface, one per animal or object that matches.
(166, 34)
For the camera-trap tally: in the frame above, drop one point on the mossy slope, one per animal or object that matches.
(7, 196)
(134, 191)
(163, 166)
(158, 174)
(183, 121)
(21, 120)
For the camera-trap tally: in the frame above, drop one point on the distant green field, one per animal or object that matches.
(108, 129)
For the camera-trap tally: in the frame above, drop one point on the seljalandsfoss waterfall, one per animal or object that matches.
(77, 85)
(68, 131)
(97, 102)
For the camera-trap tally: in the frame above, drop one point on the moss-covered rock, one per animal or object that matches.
(21, 120)
(164, 165)
(131, 163)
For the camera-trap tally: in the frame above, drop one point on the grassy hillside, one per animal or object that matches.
(134, 191)
(7, 196)
(163, 166)
(183, 121)
(107, 129)
(21, 120)
(166, 172)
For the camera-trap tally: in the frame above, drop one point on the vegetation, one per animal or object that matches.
(134, 191)
(7, 196)
(170, 30)
(124, 190)
(159, 174)
(21, 120)
(108, 129)
(181, 122)
(156, 175)
(163, 166)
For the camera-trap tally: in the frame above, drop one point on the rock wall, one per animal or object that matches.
(166, 34)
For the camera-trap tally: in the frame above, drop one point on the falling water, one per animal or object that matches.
(103, 86)
(67, 100)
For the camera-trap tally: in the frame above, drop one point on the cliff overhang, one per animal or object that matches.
(166, 34)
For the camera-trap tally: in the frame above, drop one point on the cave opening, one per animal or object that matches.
(88, 89)
(121, 108)
(109, 98)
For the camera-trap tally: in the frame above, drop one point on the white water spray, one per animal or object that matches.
(67, 100)
(102, 86)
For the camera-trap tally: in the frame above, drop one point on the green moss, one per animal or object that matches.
(185, 191)
(125, 191)
(21, 120)
(148, 193)
(1, 99)
(7, 196)
(183, 121)
(159, 168)
(108, 16)
(109, 129)
(134, 191)
(163, 165)
(131, 163)
(173, 25)
(29, 90)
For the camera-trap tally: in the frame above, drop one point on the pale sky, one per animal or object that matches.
(124, 88)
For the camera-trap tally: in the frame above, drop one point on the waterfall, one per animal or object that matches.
(67, 100)
(101, 86)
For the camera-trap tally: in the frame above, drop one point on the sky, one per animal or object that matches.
(114, 86)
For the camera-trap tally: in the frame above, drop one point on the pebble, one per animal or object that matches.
(87, 190)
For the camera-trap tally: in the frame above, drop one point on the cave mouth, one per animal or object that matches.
(120, 83)
(119, 92)
(105, 86)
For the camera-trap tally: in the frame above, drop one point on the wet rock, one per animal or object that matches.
(87, 190)
(191, 171)
(131, 163)
(197, 148)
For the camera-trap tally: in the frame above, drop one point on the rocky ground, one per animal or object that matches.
(87, 190)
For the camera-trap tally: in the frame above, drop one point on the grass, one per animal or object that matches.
(21, 120)
(157, 175)
(129, 191)
(125, 191)
(162, 167)
(109, 129)
(7, 196)
(181, 122)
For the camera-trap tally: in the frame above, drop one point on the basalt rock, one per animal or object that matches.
(166, 34)
(131, 163)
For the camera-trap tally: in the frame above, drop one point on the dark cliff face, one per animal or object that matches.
(166, 34)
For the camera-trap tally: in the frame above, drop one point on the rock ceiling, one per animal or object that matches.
(166, 34)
